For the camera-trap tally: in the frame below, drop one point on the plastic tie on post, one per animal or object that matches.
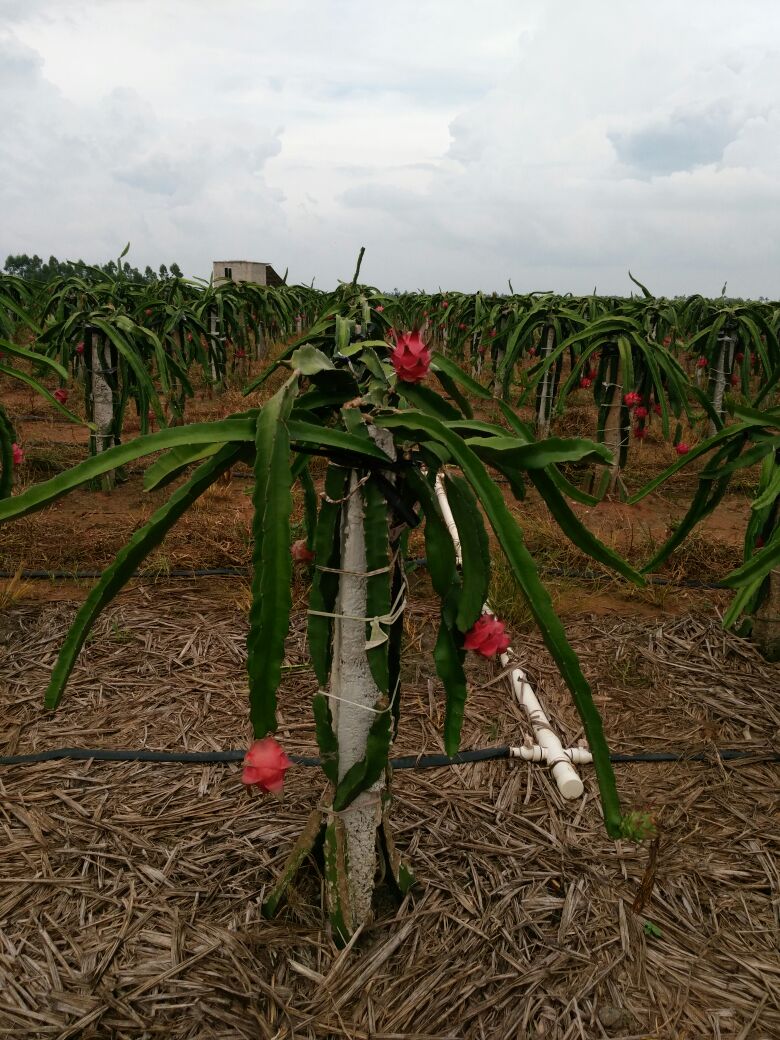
(365, 707)
(376, 636)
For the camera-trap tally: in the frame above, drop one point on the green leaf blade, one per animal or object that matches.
(269, 615)
(143, 541)
(536, 595)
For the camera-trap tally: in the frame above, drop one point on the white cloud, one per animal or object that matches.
(550, 142)
(79, 179)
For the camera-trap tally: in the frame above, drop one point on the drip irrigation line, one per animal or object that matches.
(651, 579)
(404, 762)
(44, 418)
(176, 572)
(238, 572)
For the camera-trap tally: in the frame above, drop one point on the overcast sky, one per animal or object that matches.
(553, 142)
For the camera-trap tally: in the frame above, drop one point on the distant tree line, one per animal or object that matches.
(35, 269)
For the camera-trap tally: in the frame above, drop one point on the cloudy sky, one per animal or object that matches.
(555, 143)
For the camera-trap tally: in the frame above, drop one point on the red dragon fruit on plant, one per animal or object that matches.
(300, 553)
(265, 764)
(411, 358)
(487, 637)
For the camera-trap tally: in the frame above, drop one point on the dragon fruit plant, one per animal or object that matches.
(389, 416)
(752, 439)
(21, 364)
(631, 375)
(729, 335)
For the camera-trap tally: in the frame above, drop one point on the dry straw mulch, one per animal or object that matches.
(130, 893)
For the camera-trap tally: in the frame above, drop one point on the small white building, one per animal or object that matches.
(245, 271)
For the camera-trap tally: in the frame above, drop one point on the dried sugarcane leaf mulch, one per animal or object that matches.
(130, 893)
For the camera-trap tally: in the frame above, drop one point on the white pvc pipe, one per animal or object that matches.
(535, 753)
(449, 519)
(569, 783)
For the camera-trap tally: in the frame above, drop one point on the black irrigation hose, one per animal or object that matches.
(652, 579)
(562, 572)
(232, 572)
(405, 762)
(237, 572)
